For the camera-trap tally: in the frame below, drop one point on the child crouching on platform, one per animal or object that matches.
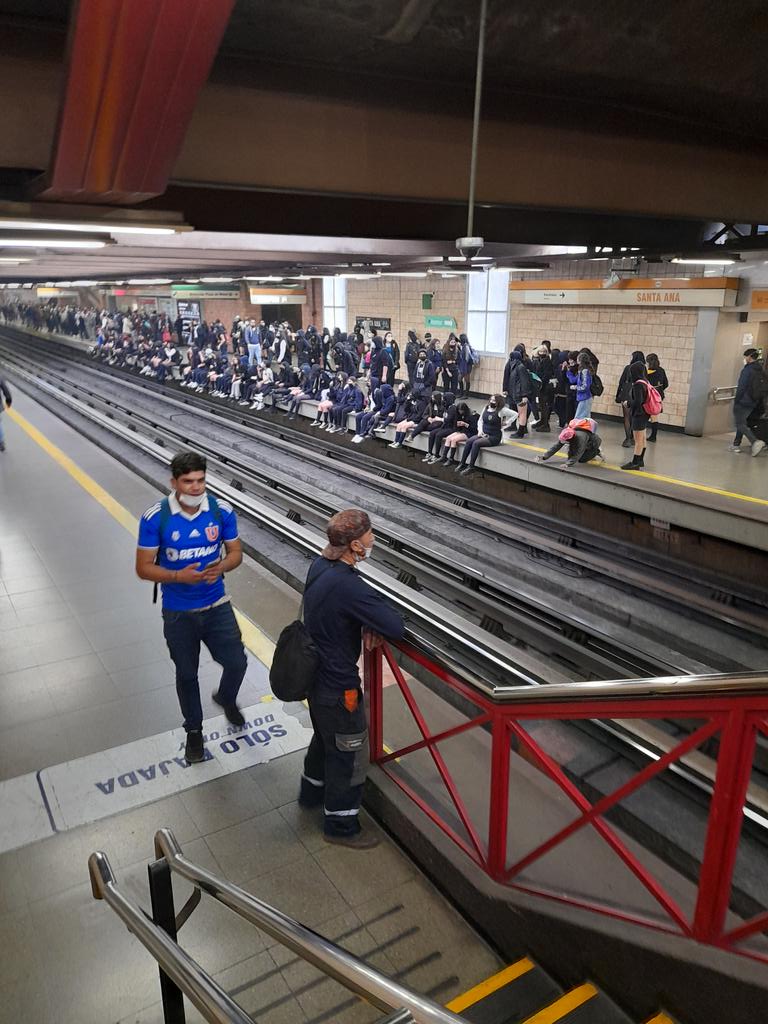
(583, 443)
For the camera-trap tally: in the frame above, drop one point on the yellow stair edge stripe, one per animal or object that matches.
(660, 1018)
(490, 985)
(557, 1010)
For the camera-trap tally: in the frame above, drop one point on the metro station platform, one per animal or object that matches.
(90, 758)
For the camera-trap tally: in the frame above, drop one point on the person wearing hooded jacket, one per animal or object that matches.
(411, 355)
(746, 401)
(622, 396)
(344, 360)
(465, 429)
(391, 346)
(464, 364)
(450, 364)
(517, 388)
(381, 363)
(352, 400)
(381, 403)
(415, 410)
(424, 375)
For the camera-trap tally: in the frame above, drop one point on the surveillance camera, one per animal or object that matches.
(469, 247)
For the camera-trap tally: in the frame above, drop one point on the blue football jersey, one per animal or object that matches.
(188, 539)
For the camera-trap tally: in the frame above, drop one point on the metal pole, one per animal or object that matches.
(476, 118)
(164, 915)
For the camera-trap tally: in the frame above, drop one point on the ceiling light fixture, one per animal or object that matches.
(51, 243)
(523, 270)
(149, 280)
(403, 273)
(703, 262)
(217, 280)
(15, 260)
(90, 228)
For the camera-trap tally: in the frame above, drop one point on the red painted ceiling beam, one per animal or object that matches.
(135, 70)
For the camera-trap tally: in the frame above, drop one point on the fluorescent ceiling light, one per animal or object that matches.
(217, 280)
(523, 270)
(262, 278)
(704, 262)
(381, 264)
(404, 273)
(85, 284)
(15, 260)
(51, 243)
(356, 277)
(191, 280)
(90, 228)
(149, 280)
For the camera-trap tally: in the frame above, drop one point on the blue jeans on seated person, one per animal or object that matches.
(217, 628)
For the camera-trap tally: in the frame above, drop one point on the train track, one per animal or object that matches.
(531, 647)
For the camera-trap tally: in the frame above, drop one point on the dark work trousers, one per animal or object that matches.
(545, 406)
(411, 371)
(741, 414)
(217, 628)
(560, 410)
(336, 762)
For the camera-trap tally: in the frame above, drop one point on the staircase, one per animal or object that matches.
(523, 993)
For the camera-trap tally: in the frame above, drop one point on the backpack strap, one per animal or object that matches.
(165, 515)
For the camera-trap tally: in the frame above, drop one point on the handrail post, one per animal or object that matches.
(373, 677)
(164, 915)
(498, 816)
(726, 812)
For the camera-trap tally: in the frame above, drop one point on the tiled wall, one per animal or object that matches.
(400, 299)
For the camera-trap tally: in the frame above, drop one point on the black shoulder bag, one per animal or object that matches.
(296, 659)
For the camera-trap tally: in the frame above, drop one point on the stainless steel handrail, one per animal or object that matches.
(714, 684)
(356, 975)
(723, 394)
(200, 988)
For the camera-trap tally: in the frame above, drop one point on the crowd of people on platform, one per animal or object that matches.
(421, 388)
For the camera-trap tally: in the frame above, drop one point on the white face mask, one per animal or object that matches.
(366, 553)
(191, 500)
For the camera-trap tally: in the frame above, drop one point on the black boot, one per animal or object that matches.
(633, 464)
(641, 459)
(652, 435)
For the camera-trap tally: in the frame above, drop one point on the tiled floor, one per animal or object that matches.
(84, 668)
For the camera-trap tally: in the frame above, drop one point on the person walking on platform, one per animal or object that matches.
(6, 401)
(751, 392)
(658, 379)
(180, 547)
(622, 396)
(341, 611)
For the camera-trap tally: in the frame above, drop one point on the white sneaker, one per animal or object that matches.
(757, 447)
(735, 448)
(394, 444)
(427, 458)
(357, 439)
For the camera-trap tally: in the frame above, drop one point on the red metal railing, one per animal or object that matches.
(729, 724)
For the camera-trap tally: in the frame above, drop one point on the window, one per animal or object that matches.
(335, 303)
(487, 311)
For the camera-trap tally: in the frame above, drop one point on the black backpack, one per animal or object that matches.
(597, 386)
(296, 659)
(758, 386)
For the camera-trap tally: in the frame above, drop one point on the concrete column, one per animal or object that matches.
(701, 371)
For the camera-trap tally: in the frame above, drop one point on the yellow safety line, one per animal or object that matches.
(557, 1010)
(653, 476)
(490, 985)
(660, 1018)
(257, 642)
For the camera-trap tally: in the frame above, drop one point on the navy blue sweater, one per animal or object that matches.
(337, 607)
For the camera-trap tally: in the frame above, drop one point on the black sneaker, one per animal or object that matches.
(194, 750)
(232, 712)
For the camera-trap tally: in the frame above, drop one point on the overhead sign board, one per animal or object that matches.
(672, 292)
(377, 323)
(440, 321)
(759, 298)
(203, 291)
(187, 310)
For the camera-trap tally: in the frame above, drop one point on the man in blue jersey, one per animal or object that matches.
(180, 547)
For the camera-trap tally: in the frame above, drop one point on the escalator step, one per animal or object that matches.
(507, 997)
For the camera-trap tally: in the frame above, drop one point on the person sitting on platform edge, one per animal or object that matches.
(179, 546)
(340, 611)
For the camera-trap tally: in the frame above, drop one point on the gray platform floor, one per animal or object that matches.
(85, 669)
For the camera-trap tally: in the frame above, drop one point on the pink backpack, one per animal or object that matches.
(652, 404)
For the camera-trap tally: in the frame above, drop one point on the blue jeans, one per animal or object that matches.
(217, 628)
(583, 409)
(741, 414)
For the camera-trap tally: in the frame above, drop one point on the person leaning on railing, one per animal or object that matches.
(340, 612)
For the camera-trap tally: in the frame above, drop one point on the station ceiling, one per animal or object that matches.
(687, 75)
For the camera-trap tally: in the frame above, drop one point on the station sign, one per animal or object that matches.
(277, 298)
(669, 292)
(440, 321)
(198, 291)
(377, 323)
